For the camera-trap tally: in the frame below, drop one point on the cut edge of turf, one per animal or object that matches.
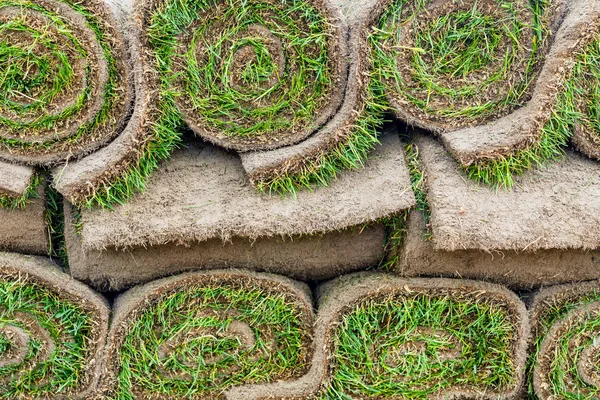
(30, 194)
(372, 289)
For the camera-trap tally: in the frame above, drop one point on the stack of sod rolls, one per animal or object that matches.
(65, 86)
(505, 84)
(52, 331)
(548, 222)
(200, 212)
(564, 354)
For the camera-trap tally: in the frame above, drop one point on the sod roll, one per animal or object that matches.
(194, 336)
(564, 353)
(64, 89)
(384, 337)
(52, 331)
(583, 91)
(483, 75)
(245, 74)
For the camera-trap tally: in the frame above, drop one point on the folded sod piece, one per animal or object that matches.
(199, 212)
(384, 337)
(489, 77)
(197, 335)
(565, 351)
(65, 84)
(544, 230)
(25, 229)
(52, 331)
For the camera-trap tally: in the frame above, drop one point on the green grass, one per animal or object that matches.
(32, 308)
(463, 66)
(563, 364)
(183, 346)
(416, 345)
(577, 105)
(237, 96)
(20, 202)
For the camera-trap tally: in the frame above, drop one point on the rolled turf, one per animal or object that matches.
(52, 331)
(384, 337)
(485, 76)
(196, 335)
(564, 353)
(65, 87)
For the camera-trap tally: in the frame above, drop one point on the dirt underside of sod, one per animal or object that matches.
(554, 207)
(201, 199)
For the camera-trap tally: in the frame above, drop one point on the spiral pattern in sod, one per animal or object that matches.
(246, 75)
(425, 345)
(63, 79)
(449, 64)
(47, 342)
(565, 362)
(198, 340)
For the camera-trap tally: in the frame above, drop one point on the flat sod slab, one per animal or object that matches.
(202, 194)
(384, 337)
(555, 207)
(25, 230)
(314, 257)
(564, 351)
(53, 331)
(516, 269)
(196, 335)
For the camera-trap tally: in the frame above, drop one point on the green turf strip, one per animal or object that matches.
(416, 346)
(183, 345)
(39, 374)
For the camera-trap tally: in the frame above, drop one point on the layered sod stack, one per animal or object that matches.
(52, 331)
(66, 87)
(197, 335)
(500, 95)
(548, 222)
(380, 336)
(200, 212)
(565, 353)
